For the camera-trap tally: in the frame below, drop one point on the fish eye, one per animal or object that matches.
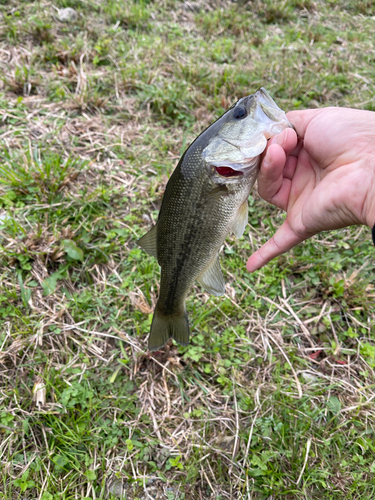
(239, 112)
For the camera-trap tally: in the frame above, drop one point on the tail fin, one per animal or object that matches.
(165, 327)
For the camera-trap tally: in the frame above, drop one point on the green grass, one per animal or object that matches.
(273, 396)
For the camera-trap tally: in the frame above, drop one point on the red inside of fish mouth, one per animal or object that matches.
(227, 172)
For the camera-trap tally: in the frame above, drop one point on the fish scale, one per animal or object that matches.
(200, 207)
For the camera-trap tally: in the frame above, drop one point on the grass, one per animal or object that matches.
(273, 398)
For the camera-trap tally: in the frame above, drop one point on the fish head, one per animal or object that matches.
(241, 134)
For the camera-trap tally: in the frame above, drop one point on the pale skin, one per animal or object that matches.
(324, 180)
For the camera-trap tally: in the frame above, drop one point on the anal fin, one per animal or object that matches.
(212, 279)
(149, 242)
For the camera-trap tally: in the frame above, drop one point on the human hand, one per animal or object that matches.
(325, 180)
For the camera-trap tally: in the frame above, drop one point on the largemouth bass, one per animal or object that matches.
(205, 199)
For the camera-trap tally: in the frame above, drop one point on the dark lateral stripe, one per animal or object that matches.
(373, 234)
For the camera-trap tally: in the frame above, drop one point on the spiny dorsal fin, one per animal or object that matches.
(212, 279)
(148, 242)
(240, 222)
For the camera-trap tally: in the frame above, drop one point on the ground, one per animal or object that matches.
(273, 398)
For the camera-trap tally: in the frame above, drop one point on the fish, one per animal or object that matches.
(205, 199)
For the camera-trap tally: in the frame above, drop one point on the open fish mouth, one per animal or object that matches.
(228, 172)
(230, 169)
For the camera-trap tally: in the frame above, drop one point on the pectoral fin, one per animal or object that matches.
(241, 220)
(148, 242)
(212, 279)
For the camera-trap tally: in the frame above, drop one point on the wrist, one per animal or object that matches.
(371, 219)
(369, 204)
(370, 208)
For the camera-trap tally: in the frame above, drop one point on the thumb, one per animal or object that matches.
(283, 240)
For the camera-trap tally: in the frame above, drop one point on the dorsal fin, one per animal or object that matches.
(149, 242)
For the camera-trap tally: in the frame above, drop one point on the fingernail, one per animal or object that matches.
(280, 138)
